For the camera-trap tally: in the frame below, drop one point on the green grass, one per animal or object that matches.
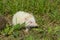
(46, 12)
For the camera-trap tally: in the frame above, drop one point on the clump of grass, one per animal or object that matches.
(9, 30)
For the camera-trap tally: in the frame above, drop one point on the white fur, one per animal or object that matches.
(24, 17)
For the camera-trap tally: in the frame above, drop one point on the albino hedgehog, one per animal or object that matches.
(23, 17)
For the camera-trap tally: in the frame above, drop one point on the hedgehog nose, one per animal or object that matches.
(36, 24)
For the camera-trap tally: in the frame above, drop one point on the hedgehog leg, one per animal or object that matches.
(26, 31)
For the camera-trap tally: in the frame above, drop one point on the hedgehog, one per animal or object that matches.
(21, 17)
(2, 22)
